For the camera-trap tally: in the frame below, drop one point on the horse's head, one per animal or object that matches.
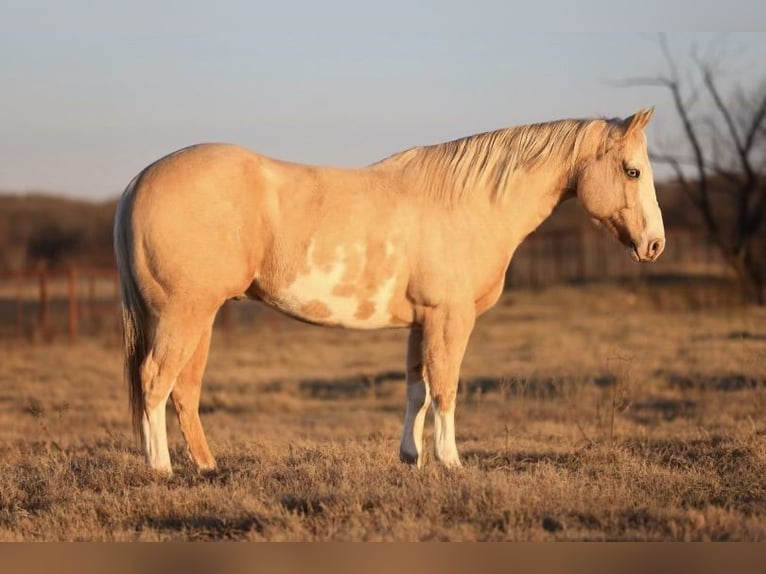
(616, 188)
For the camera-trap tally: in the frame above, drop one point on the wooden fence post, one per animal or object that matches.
(117, 303)
(72, 314)
(19, 305)
(226, 317)
(603, 266)
(564, 272)
(89, 308)
(676, 246)
(581, 256)
(44, 317)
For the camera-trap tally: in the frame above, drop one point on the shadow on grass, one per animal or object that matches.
(205, 527)
(652, 411)
(364, 385)
(533, 387)
(351, 387)
(359, 386)
(304, 506)
(732, 336)
(725, 382)
(552, 387)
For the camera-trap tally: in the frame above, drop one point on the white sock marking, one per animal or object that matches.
(418, 400)
(444, 437)
(156, 438)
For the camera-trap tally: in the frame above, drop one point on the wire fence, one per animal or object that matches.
(43, 305)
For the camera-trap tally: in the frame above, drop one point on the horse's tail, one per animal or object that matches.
(134, 313)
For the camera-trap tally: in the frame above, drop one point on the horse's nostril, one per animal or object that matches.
(655, 248)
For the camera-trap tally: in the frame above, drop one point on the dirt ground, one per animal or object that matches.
(583, 414)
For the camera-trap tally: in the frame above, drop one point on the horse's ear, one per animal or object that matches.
(638, 120)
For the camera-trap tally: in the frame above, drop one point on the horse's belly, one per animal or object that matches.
(343, 291)
(324, 308)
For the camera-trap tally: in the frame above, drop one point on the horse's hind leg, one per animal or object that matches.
(185, 395)
(176, 337)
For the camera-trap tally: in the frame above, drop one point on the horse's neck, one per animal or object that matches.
(527, 199)
(530, 198)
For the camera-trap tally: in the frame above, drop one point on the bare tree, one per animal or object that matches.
(723, 169)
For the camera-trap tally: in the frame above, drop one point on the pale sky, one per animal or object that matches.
(93, 91)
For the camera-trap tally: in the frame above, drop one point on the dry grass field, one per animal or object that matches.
(583, 415)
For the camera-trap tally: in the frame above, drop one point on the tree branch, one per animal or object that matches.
(757, 125)
(729, 121)
(672, 84)
(732, 177)
(758, 214)
(674, 163)
(728, 157)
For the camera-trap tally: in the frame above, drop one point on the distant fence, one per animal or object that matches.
(45, 305)
(585, 256)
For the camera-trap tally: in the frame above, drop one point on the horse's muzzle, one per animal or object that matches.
(647, 251)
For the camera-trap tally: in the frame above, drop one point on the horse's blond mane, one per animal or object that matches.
(454, 169)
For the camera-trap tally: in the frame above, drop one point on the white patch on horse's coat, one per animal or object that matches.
(418, 400)
(444, 437)
(319, 282)
(654, 228)
(156, 438)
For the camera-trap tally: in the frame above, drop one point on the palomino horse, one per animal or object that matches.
(421, 239)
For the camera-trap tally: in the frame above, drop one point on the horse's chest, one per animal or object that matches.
(349, 285)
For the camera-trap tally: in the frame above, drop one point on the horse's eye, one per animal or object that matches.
(632, 172)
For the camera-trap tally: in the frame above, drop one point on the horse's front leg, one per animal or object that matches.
(445, 337)
(445, 333)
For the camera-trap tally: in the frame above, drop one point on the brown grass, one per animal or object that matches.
(582, 415)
